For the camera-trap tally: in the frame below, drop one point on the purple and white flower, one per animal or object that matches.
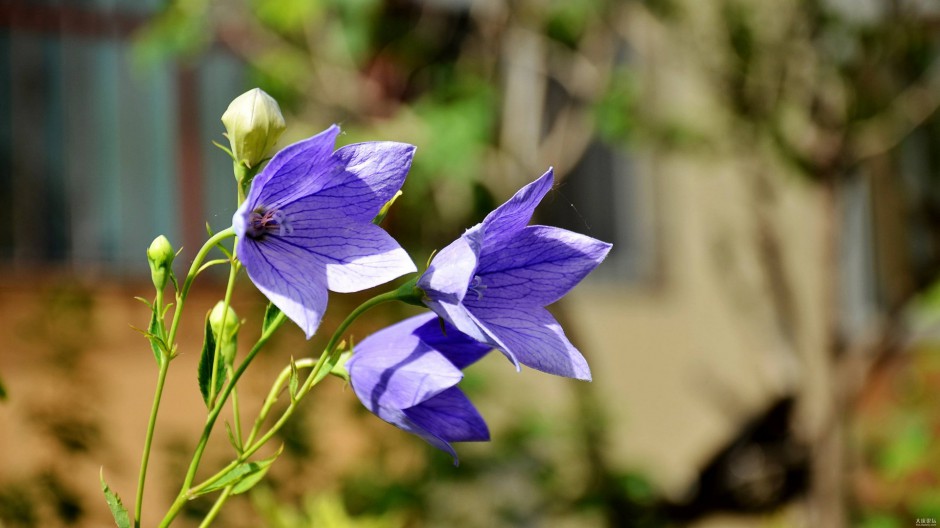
(494, 281)
(306, 225)
(407, 374)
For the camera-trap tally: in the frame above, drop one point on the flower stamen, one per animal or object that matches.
(262, 222)
(477, 287)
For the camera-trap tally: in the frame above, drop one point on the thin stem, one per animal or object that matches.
(317, 373)
(233, 272)
(271, 399)
(154, 410)
(213, 415)
(236, 414)
(166, 356)
(191, 276)
(217, 507)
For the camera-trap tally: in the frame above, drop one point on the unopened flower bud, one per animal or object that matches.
(160, 255)
(253, 123)
(225, 324)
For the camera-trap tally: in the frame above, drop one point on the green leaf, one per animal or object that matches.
(294, 380)
(385, 208)
(207, 363)
(3, 391)
(269, 314)
(231, 438)
(153, 330)
(330, 364)
(339, 369)
(243, 476)
(121, 517)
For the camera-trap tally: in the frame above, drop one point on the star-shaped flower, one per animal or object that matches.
(306, 224)
(407, 374)
(494, 281)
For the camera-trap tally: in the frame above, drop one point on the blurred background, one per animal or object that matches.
(763, 336)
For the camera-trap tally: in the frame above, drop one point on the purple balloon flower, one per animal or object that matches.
(306, 224)
(407, 374)
(493, 283)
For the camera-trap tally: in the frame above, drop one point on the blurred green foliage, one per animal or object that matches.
(422, 72)
(826, 88)
(896, 430)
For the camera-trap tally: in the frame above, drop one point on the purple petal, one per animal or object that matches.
(399, 419)
(374, 172)
(355, 256)
(538, 266)
(462, 319)
(296, 171)
(534, 337)
(452, 269)
(287, 276)
(393, 368)
(450, 416)
(459, 348)
(516, 213)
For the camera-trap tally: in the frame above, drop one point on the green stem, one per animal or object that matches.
(233, 272)
(211, 419)
(217, 507)
(191, 276)
(273, 394)
(167, 356)
(405, 294)
(154, 410)
(236, 414)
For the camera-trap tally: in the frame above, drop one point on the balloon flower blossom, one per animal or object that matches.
(306, 227)
(407, 374)
(494, 282)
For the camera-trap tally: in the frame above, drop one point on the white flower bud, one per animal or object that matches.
(253, 123)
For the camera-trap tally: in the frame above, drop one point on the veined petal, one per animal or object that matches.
(393, 368)
(460, 317)
(356, 255)
(450, 416)
(374, 172)
(299, 170)
(452, 269)
(538, 265)
(459, 348)
(516, 213)
(535, 338)
(288, 277)
(399, 419)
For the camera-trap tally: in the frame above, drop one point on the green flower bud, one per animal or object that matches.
(160, 255)
(225, 325)
(253, 123)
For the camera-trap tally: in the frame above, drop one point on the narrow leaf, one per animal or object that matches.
(292, 385)
(248, 472)
(339, 369)
(121, 517)
(269, 314)
(153, 329)
(224, 149)
(207, 363)
(329, 365)
(385, 208)
(231, 438)
(145, 301)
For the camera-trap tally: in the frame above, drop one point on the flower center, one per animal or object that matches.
(477, 286)
(262, 222)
